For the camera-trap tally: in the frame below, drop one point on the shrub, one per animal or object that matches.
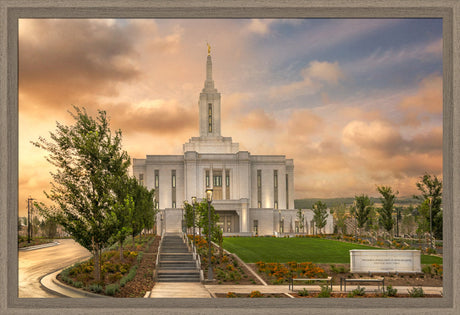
(129, 276)
(357, 292)
(256, 294)
(111, 289)
(231, 295)
(114, 277)
(437, 269)
(303, 292)
(139, 257)
(390, 291)
(95, 288)
(427, 269)
(325, 292)
(78, 284)
(416, 292)
(340, 269)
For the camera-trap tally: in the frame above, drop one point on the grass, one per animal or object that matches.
(282, 250)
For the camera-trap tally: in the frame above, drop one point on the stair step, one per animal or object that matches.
(176, 263)
(178, 273)
(179, 280)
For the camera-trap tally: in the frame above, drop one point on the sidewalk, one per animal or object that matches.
(179, 290)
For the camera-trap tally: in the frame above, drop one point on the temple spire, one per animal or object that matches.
(209, 83)
(209, 104)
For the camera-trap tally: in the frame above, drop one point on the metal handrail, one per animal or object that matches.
(157, 261)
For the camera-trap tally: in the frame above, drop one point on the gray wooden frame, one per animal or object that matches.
(12, 10)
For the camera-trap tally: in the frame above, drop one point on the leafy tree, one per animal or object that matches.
(431, 188)
(301, 219)
(35, 226)
(203, 221)
(89, 161)
(122, 216)
(49, 228)
(386, 212)
(188, 216)
(144, 212)
(320, 214)
(361, 210)
(220, 240)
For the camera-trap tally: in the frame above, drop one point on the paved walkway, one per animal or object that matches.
(179, 290)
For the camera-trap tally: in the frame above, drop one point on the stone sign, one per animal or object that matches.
(384, 261)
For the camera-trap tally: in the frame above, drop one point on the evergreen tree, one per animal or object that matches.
(386, 212)
(361, 210)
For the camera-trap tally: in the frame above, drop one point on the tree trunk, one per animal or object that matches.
(97, 265)
(121, 251)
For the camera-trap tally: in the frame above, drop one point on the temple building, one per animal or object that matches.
(252, 194)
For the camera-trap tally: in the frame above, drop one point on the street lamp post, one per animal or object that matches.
(194, 204)
(155, 226)
(29, 227)
(209, 199)
(431, 222)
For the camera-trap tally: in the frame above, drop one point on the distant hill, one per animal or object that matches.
(307, 203)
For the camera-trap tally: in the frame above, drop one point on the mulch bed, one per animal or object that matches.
(247, 295)
(367, 295)
(143, 281)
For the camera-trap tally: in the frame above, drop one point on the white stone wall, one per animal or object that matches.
(267, 164)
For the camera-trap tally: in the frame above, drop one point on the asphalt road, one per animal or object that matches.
(37, 263)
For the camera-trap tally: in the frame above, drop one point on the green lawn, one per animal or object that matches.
(270, 249)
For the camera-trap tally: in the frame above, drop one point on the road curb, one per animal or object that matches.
(29, 248)
(51, 283)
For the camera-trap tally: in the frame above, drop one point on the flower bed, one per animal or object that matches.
(226, 268)
(115, 273)
(253, 294)
(278, 273)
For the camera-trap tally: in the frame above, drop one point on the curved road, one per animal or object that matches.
(35, 264)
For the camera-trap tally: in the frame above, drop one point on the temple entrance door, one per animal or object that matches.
(217, 187)
(229, 221)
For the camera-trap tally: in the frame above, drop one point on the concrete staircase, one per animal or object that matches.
(176, 263)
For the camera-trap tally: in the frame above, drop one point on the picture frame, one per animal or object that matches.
(11, 11)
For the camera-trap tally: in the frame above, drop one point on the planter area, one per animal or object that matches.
(226, 268)
(132, 277)
(278, 273)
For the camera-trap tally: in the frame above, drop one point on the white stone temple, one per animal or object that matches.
(253, 194)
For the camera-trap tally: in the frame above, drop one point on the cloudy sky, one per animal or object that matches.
(356, 103)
